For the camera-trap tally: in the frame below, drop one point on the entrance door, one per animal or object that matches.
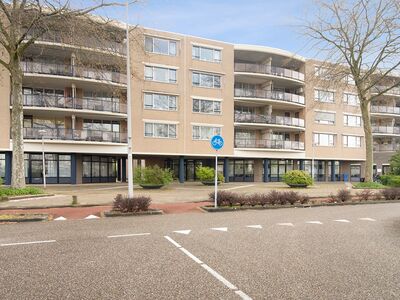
(36, 172)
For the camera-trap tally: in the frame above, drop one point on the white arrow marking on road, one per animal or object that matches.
(314, 222)
(183, 231)
(61, 218)
(220, 228)
(342, 221)
(367, 219)
(91, 217)
(285, 224)
(254, 226)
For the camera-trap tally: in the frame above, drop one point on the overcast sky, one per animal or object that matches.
(273, 23)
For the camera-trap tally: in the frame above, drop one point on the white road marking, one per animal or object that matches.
(28, 243)
(128, 235)
(214, 273)
(186, 232)
(285, 224)
(220, 228)
(342, 221)
(238, 187)
(254, 226)
(91, 217)
(367, 219)
(314, 222)
(61, 218)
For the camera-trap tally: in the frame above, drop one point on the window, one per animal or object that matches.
(2, 165)
(160, 74)
(159, 130)
(206, 54)
(160, 46)
(101, 125)
(322, 72)
(205, 132)
(322, 117)
(351, 99)
(352, 120)
(324, 96)
(324, 139)
(350, 79)
(352, 141)
(64, 165)
(206, 80)
(207, 106)
(160, 101)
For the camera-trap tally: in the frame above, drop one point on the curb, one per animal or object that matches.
(110, 214)
(8, 198)
(36, 218)
(52, 206)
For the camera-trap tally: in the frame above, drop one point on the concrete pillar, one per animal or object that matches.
(73, 122)
(226, 169)
(123, 165)
(73, 94)
(333, 175)
(73, 62)
(258, 170)
(7, 179)
(266, 170)
(181, 169)
(73, 168)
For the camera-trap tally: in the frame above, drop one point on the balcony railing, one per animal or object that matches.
(73, 71)
(262, 119)
(274, 95)
(269, 144)
(394, 91)
(270, 70)
(74, 103)
(386, 129)
(74, 135)
(385, 109)
(386, 147)
(88, 42)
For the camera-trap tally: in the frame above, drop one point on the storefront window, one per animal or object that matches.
(2, 165)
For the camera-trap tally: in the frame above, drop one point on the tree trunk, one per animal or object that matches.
(368, 139)
(17, 119)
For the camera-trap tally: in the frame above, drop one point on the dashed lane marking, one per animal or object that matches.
(186, 232)
(210, 270)
(285, 224)
(220, 229)
(254, 226)
(128, 235)
(367, 219)
(27, 243)
(314, 222)
(342, 221)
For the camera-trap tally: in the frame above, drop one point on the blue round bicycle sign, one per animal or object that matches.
(217, 142)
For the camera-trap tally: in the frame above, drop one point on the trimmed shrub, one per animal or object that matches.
(135, 204)
(332, 198)
(208, 174)
(390, 194)
(297, 177)
(365, 195)
(9, 192)
(343, 195)
(368, 185)
(273, 197)
(153, 176)
(304, 199)
(224, 198)
(390, 180)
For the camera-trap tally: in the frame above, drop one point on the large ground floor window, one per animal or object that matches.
(99, 169)
(58, 168)
(2, 166)
(241, 170)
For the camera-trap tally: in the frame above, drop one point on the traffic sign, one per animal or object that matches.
(217, 142)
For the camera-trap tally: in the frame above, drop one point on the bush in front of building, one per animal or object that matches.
(129, 205)
(390, 180)
(395, 164)
(390, 194)
(153, 176)
(207, 175)
(10, 192)
(297, 178)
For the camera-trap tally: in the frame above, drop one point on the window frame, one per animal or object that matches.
(213, 103)
(346, 120)
(203, 48)
(325, 122)
(346, 141)
(318, 144)
(153, 38)
(216, 131)
(153, 130)
(153, 107)
(319, 98)
(200, 74)
(168, 69)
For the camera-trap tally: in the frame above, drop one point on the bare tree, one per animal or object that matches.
(22, 23)
(361, 39)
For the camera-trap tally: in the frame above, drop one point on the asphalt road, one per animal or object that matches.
(350, 252)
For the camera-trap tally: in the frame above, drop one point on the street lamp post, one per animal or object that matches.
(42, 132)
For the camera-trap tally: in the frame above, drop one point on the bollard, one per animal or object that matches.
(74, 200)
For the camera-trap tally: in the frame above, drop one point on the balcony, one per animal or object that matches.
(269, 144)
(393, 91)
(74, 103)
(74, 135)
(394, 110)
(268, 70)
(386, 129)
(73, 71)
(273, 120)
(386, 147)
(274, 95)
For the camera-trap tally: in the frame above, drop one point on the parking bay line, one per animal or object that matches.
(27, 243)
(210, 270)
(128, 235)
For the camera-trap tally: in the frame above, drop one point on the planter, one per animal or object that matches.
(132, 214)
(151, 186)
(210, 182)
(24, 218)
(297, 185)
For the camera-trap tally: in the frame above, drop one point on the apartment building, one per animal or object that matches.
(264, 101)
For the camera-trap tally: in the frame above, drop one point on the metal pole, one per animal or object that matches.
(129, 104)
(312, 162)
(216, 180)
(43, 164)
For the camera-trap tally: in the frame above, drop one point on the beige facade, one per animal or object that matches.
(273, 111)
